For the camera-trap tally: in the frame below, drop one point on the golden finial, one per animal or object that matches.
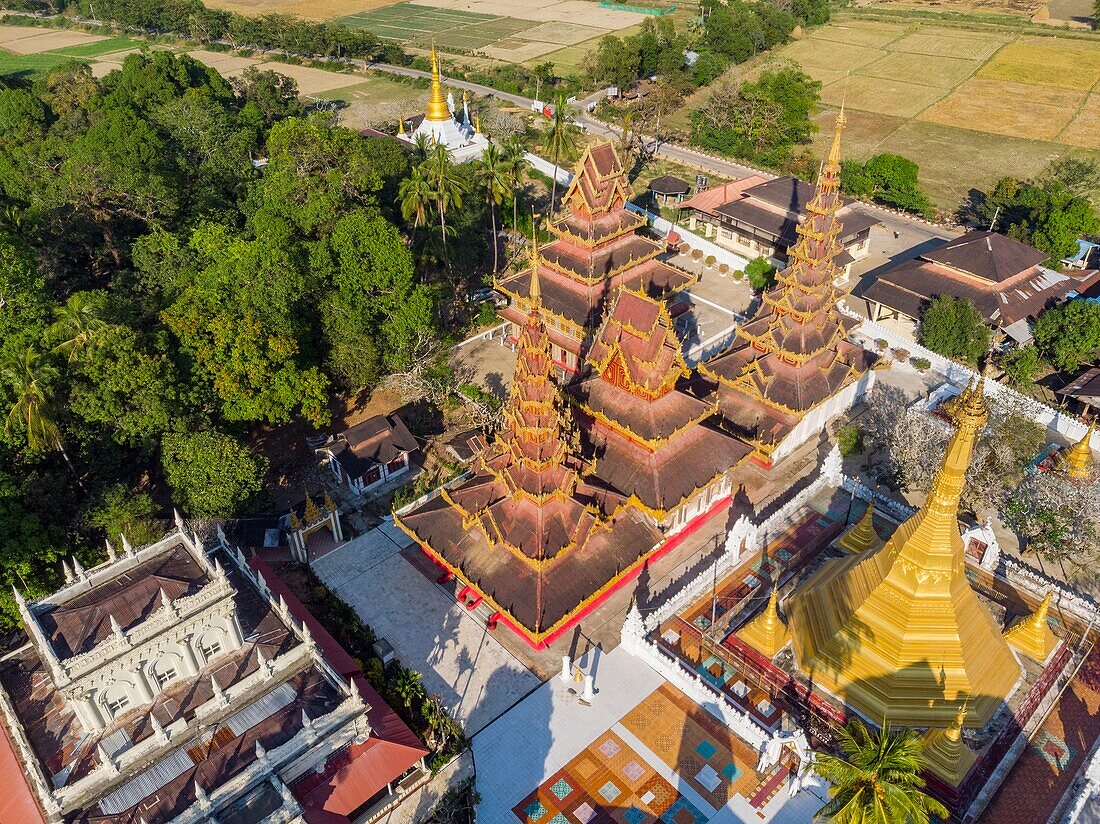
(401, 125)
(954, 732)
(1078, 461)
(863, 535)
(766, 633)
(330, 506)
(973, 410)
(533, 258)
(838, 130)
(295, 522)
(313, 514)
(437, 101)
(1032, 635)
(477, 124)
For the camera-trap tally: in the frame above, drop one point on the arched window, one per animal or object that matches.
(210, 644)
(117, 699)
(166, 670)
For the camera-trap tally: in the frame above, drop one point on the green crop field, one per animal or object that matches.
(30, 64)
(111, 44)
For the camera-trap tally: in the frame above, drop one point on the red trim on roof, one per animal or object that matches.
(17, 802)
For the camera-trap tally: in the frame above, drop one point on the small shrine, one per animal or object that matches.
(444, 125)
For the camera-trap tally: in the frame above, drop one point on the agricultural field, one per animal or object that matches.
(515, 31)
(968, 106)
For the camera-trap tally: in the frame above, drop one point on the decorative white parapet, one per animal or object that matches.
(1085, 786)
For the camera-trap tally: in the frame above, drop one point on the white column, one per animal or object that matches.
(89, 715)
(190, 659)
(142, 683)
(565, 669)
(236, 632)
(588, 696)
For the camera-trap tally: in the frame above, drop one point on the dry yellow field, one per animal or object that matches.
(1015, 109)
(949, 43)
(894, 98)
(1084, 130)
(1070, 64)
(223, 62)
(857, 33)
(25, 40)
(310, 81)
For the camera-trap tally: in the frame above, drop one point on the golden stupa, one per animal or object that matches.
(437, 101)
(766, 633)
(946, 754)
(1077, 461)
(863, 536)
(898, 632)
(1032, 635)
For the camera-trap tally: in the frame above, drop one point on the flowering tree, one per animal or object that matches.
(1058, 519)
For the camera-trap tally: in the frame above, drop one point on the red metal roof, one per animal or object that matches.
(17, 803)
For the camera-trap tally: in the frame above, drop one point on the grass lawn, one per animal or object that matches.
(31, 64)
(112, 44)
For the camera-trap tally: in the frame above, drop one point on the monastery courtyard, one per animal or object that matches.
(641, 752)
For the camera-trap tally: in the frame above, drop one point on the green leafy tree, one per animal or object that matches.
(416, 196)
(760, 273)
(1022, 366)
(406, 686)
(447, 188)
(240, 321)
(268, 96)
(493, 177)
(614, 62)
(120, 511)
(887, 178)
(25, 303)
(515, 162)
(211, 474)
(876, 779)
(30, 547)
(954, 328)
(1068, 335)
(33, 412)
(78, 322)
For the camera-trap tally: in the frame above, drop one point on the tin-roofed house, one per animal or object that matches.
(370, 453)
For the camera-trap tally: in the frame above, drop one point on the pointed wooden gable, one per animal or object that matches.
(599, 185)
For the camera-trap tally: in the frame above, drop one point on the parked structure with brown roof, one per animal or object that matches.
(652, 434)
(596, 250)
(791, 368)
(668, 190)
(370, 453)
(170, 684)
(758, 217)
(1084, 388)
(1002, 277)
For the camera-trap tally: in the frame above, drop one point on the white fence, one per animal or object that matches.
(1053, 419)
(720, 253)
(548, 168)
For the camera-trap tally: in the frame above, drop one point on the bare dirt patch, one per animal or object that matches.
(1084, 129)
(310, 80)
(43, 41)
(223, 62)
(311, 9)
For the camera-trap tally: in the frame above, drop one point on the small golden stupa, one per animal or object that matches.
(945, 753)
(1077, 461)
(1032, 634)
(898, 632)
(437, 100)
(766, 633)
(863, 536)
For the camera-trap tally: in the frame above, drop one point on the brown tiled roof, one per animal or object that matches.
(988, 255)
(782, 225)
(787, 193)
(601, 262)
(638, 342)
(82, 622)
(377, 440)
(650, 420)
(1085, 386)
(708, 200)
(908, 286)
(601, 228)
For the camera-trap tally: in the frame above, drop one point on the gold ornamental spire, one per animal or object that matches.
(533, 257)
(838, 130)
(1078, 461)
(899, 631)
(863, 535)
(766, 633)
(437, 101)
(401, 125)
(1032, 635)
(945, 753)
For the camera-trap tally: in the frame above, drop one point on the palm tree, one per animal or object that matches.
(77, 322)
(29, 378)
(406, 685)
(415, 194)
(494, 176)
(423, 145)
(516, 161)
(626, 121)
(561, 137)
(877, 779)
(447, 188)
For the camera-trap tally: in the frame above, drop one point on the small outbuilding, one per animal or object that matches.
(369, 453)
(668, 190)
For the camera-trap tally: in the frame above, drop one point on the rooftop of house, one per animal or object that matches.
(1085, 386)
(669, 185)
(376, 440)
(990, 256)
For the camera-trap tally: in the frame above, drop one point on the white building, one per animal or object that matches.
(445, 125)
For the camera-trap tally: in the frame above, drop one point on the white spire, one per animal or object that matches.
(126, 548)
(178, 519)
(105, 758)
(219, 696)
(112, 556)
(165, 601)
(202, 797)
(78, 568)
(158, 730)
(69, 577)
(261, 753)
(19, 600)
(116, 628)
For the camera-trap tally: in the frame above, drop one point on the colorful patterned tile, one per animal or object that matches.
(584, 813)
(610, 791)
(535, 811)
(683, 812)
(731, 772)
(610, 748)
(558, 819)
(706, 749)
(702, 621)
(561, 789)
(633, 770)
(1054, 750)
(584, 766)
(633, 815)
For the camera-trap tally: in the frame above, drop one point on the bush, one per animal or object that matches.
(760, 273)
(697, 255)
(881, 344)
(954, 328)
(920, 364)
(1021, 365)
(849, 439)
(738, 274)
(900, 355)
(711, 260)
(723, 268)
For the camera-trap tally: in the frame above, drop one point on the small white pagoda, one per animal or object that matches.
(445, 125)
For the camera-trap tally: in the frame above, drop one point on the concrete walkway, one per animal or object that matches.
(459, 660)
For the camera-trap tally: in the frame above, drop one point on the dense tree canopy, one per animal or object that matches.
(1069, 335)
(954, 328)
(886, 178)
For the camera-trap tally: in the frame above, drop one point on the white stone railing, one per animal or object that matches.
(184, 613)
(547, 168)
(1026, 577)
(691, 684)
(1056, 420)
(427, 496)
(1084, 787)
(236, 696)
(663, 227)
(895, 509)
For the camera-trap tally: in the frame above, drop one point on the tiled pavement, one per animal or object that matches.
(1052, 759)
(459, 660)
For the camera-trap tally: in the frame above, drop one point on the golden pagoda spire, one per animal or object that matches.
(838, 130)
(401, 125)
(533, 257)
(1077, 461)
(766, 633)
(437, 101)
(863, 535)
(1032, 635)
(946, 753)
(897, 630)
